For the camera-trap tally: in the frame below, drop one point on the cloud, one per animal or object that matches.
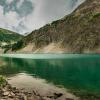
(6, 21)
(14, 13)
(20, 3)
(26, 15)
(9, 1)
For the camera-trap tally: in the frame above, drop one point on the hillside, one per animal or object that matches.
(78, 32)
(8, 38)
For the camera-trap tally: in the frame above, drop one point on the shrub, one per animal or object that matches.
(2, 80)
(17, 45)
(96, 15)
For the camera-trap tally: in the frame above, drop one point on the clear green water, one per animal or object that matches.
(77, 73)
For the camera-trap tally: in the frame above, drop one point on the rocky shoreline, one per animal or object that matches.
(7, 92)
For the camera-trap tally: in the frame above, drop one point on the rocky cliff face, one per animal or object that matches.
(78, 32)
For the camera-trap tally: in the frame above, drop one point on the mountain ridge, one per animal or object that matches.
(78, 32)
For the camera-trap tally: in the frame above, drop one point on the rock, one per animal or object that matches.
(57, 95)
(21, 98)
(45, 98)
(4, 97)
(25, 92)
(25, 97)
(6, 93)
(10, 96)
(33, 97)
(16, 91)
(9, 87)
(1, 91)
(14, 88)
(69, 99)
(12, 93)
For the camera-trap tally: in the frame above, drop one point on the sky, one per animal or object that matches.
(24, 16)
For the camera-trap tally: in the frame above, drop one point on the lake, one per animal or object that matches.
(70, 71)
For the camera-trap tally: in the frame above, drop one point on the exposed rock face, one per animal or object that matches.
(78, 32)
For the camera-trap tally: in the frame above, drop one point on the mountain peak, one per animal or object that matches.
(78, 32)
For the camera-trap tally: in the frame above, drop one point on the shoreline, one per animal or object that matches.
(7, 92)
(48, 56)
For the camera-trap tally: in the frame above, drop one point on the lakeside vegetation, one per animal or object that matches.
(2, 80)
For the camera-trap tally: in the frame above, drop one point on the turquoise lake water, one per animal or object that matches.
(75, 72)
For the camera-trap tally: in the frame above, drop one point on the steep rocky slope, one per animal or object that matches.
(78, 32)
(8, 38)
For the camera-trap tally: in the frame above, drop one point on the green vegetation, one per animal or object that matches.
(17, 45)
(8, 38)
(2, 80)
(96, 15)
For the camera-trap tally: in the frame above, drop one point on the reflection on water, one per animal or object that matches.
(80, 73)
(30, 83)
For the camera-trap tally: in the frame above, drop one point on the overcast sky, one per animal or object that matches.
(26, 15)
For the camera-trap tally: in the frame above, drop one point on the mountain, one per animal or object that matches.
(78, 32)
(7, 39)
